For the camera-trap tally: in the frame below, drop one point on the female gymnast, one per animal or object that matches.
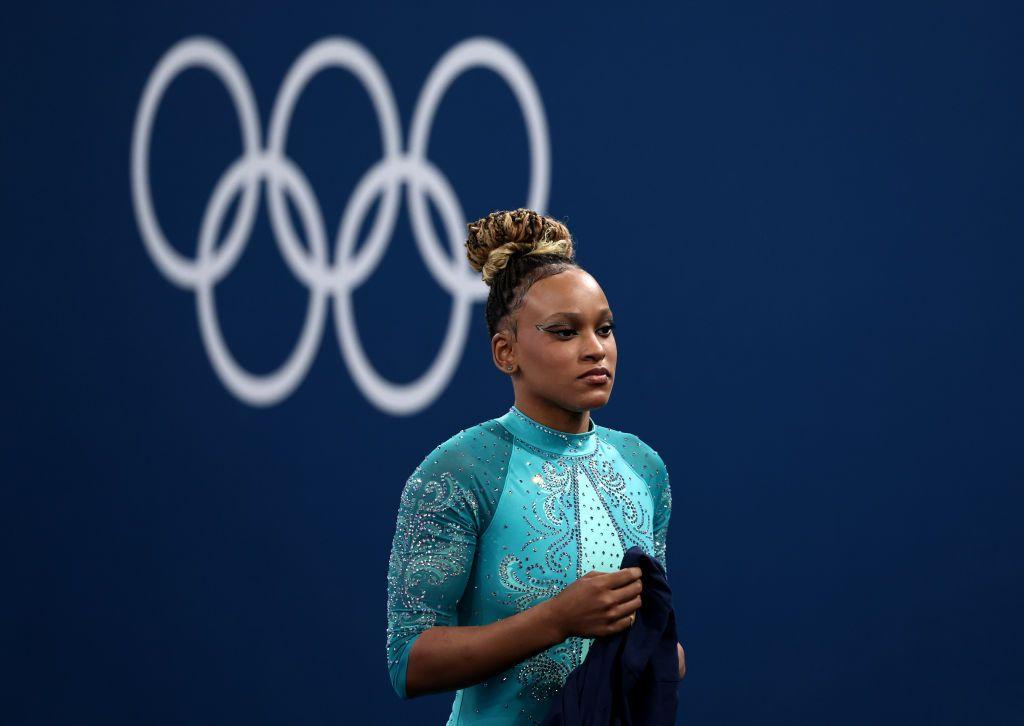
(505, 560)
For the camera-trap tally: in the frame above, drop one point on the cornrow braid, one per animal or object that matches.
(512, 250)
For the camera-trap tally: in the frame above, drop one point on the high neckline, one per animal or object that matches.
(544, 437)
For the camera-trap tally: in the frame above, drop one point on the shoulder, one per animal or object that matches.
(640, 456)
(482, 443)
(464, 475)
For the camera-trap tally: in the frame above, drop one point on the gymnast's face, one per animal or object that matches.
(574, 336)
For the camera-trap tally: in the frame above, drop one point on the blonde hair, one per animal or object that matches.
(512, 250)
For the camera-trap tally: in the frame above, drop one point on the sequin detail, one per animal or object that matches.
(553, 521)
(445, 504)
(428, 549)
(474, 544)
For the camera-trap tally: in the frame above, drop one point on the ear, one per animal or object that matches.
(503, 352)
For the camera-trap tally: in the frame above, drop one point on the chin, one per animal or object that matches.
(595, 399)
(582, 400)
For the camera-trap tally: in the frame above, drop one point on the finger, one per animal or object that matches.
(620, 624)
(624, 610)
(594, 573)
(627, 592)
(624, 576)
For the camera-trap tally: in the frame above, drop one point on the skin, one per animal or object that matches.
(546, 366)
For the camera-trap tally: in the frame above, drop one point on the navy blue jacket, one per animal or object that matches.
(629, 678)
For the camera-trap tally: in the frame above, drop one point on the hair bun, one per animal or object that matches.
(502, 236)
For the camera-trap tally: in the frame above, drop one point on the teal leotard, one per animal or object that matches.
(502, 516)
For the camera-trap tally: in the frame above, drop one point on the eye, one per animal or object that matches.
(571, 332)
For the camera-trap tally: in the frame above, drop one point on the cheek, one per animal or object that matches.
(559, 357)
(552, 358)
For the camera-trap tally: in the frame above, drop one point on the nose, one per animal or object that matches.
(594, 350)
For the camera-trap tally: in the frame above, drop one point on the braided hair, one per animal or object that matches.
(512, 250)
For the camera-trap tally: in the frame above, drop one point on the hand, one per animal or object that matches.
(597, 604)
(682, 660)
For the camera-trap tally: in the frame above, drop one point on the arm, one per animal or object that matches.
(661, 495)
(446, 658)
(440, 515)
(595, 605)
(662, 492)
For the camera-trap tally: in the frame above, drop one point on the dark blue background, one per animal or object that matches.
(808, 222)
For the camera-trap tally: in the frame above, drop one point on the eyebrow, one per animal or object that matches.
(576, 316)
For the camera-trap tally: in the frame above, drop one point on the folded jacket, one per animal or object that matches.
(629, 678)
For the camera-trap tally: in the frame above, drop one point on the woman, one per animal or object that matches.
(505, 560)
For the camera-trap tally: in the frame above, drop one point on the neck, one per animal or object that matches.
(555, 417)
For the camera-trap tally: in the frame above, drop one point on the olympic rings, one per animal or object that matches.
(271, 164)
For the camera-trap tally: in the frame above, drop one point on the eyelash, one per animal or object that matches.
(610, 326)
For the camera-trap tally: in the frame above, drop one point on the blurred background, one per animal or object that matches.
(806, 218)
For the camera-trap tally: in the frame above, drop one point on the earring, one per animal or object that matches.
(510, 367)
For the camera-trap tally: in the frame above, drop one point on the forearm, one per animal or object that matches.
(445, 658)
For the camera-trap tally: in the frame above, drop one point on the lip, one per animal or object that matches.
(596, 375)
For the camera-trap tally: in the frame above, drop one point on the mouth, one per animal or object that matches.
(598, 376)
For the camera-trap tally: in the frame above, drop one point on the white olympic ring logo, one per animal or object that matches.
(272, 165)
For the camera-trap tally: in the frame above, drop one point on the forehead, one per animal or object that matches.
(568, 291)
